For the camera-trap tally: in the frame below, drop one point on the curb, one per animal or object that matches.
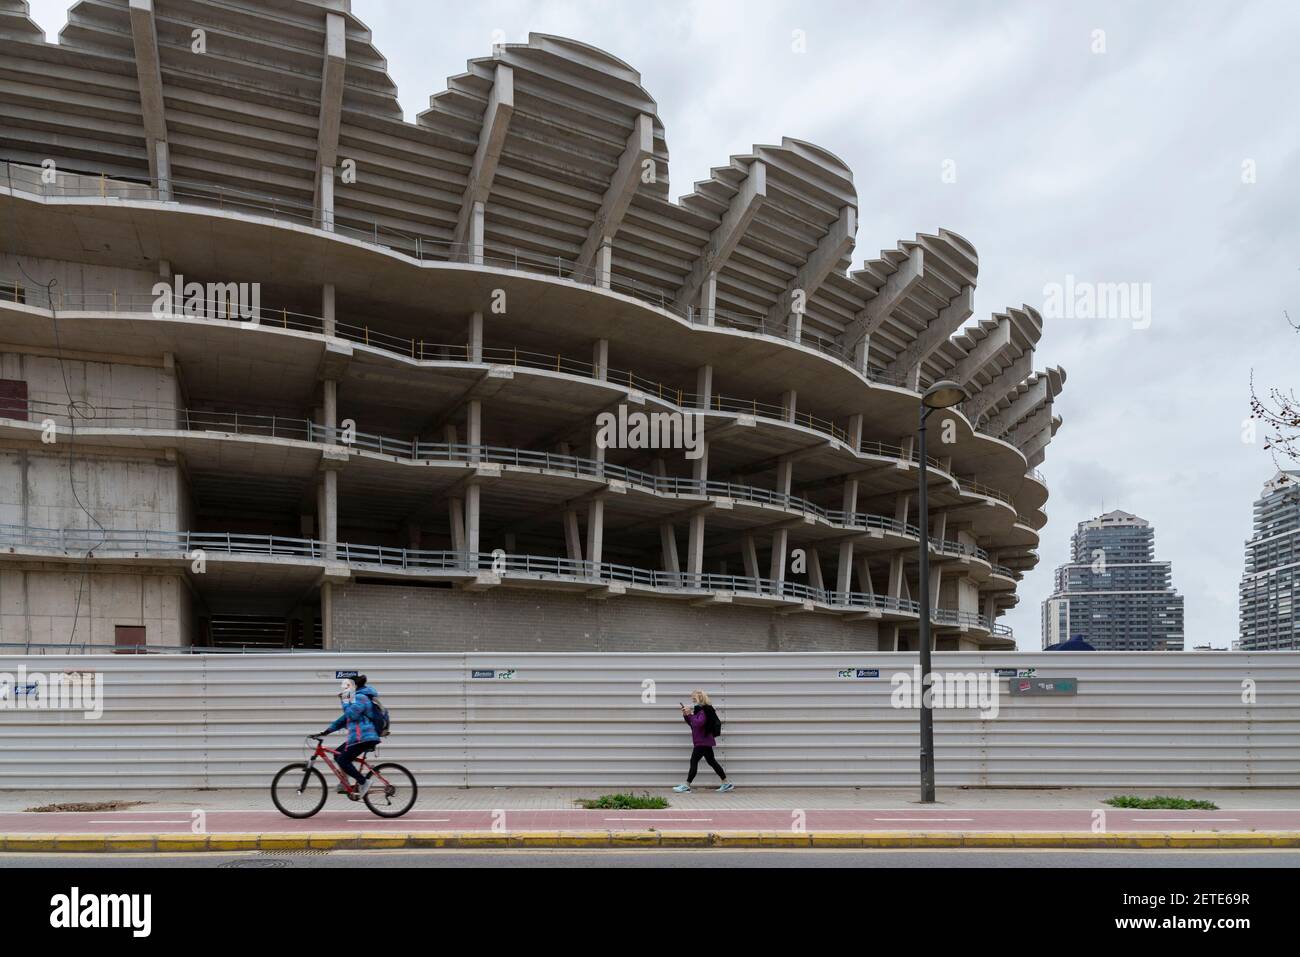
(424, 840)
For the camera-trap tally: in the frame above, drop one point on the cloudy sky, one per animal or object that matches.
(1113, 142)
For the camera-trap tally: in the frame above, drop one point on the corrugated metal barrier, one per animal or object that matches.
(1219, 719)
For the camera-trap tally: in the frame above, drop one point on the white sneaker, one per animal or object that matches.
(682, 789)
(365, 786)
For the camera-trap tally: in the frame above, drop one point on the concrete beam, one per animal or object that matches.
(896, 288)
(487, 385)
(1020, 407)
(1039, 422)
(724, 239)
(949, 320)
(491, 140)
(990, 347)
(618, 196)
(333, 71)
(1002, 385)
(832, 248)
(1035, 443)
(144, 37)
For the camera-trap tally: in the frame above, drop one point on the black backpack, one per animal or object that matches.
(712, 723)
(380, 717)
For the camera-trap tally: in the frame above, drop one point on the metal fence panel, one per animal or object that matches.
(607, 720)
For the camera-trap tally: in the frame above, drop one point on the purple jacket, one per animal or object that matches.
(700, 738)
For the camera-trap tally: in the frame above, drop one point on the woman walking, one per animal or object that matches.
(705, 728)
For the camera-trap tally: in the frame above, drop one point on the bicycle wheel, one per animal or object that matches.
(298, 790)
(392, 790)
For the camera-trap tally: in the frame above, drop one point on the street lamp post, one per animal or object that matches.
(942, 395)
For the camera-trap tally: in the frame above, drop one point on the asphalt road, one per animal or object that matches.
(678, 858)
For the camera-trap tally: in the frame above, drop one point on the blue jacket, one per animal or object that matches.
(356, 715)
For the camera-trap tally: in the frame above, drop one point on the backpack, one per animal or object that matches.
(380, 717)
(712, 724)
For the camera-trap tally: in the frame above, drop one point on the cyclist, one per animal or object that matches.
(361, 733)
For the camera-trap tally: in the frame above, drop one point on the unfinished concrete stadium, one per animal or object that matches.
(280, 369)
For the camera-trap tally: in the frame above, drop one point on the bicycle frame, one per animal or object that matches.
(362, 764)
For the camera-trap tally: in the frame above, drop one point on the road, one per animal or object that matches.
(663, 858)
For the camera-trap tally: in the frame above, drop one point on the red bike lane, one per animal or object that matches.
(358, 818)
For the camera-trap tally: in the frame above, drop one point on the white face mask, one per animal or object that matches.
(349, 691)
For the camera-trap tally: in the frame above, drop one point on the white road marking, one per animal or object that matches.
(1186, 820)
(187, 820)
(923, 819)
(399, 820)
(666, 820)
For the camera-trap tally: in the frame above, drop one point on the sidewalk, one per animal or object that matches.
(542, 817)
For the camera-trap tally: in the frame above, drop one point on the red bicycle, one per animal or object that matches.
(299, 790)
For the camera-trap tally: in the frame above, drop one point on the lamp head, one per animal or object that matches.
(944, 394)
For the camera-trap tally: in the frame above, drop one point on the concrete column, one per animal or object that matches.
(604, 264)
(815, 570)
(600, 359)
(789, 404)
(855, 431)
(709, 299)
(902, 506)
(476, 233)
(572, 541)
(474, 427)
(474, 437)
(781, 537)
(897, 583)
(455, 504)
(163, 157)
(475, 348)
(327, 198)
(795, 326)
(327, 308)
(331, 486)
(749, 553)
(456, 517)
(595, 531)
(704, 387)
(844, 569)
(865, 584)
(861, 353)
(472, 494)
(695, 547)
(668, 547)
(327, 616)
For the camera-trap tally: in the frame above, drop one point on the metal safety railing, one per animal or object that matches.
(421, 248)
(84, 416)
(189, 546)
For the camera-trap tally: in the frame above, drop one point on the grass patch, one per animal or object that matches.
(624, 802)
(85, 806)
(1160, 803)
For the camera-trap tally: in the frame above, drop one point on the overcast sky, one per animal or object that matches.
(1117, 166)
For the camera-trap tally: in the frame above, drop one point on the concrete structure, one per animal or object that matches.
(1114, 594)
(1270, 585)
(283, 369)
(791, 719)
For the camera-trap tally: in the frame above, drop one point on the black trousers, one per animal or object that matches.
(346, 754)
(707, 754)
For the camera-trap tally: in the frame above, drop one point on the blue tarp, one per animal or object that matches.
(1074, 644)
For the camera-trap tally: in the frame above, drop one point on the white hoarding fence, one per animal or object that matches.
(1215, 719)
